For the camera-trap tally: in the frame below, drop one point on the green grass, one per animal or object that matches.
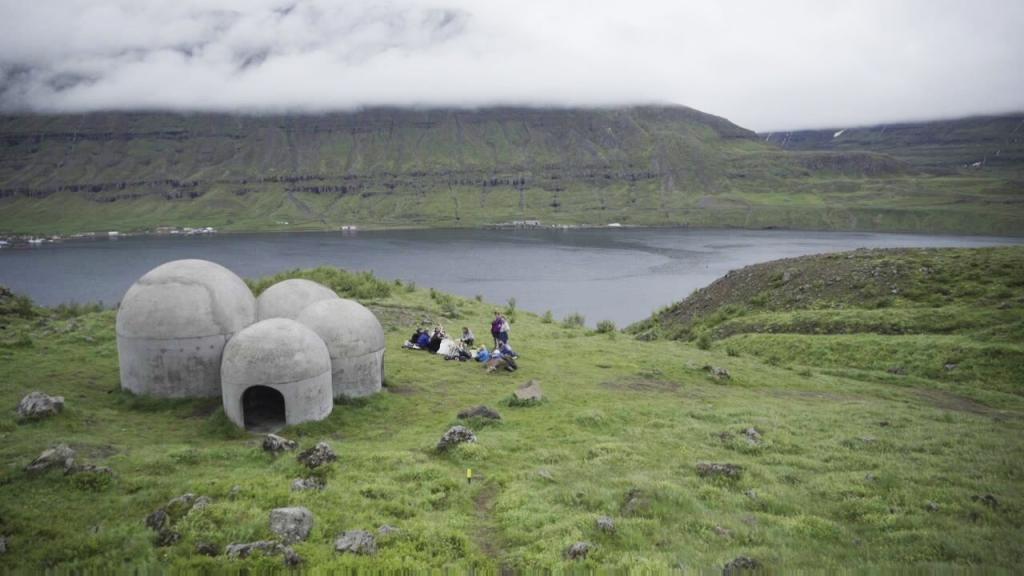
(849, 459)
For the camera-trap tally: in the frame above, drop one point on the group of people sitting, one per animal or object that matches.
(463, 349)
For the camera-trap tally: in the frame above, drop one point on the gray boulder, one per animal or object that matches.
(753, 436)
(387, 529)
(578, 551)
(480, 411)
(529, 392)
(157, 520)
(276, 444)
(291, 524)
(606, 524)
(3, 545)
(244, 550)
(60, 455)
(311, 483)
(720, 470)
(741, 564)
(718, 373)
(318, 456)
(38, 405)
(454, 436)
(356, 542)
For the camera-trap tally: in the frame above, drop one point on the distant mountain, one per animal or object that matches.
(667, 165)
(941, 146)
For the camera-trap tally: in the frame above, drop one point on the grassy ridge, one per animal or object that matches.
(389, 167)
(844, 473)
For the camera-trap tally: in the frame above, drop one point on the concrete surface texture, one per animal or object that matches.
(172, 326)
(276, 372)
(288, 298)
(355, 340)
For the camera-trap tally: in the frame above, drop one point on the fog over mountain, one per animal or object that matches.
(763, 65)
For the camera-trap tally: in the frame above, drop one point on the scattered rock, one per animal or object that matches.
(635, 502)
(529, 392)
(454, 436)
(753, 436)
(201, 503)
(950, 366)
(723, 532)
(606, 524)
(180, 505)
(60, 455)
(723, 470)
(718, 373)
(167, 537)
(387, 529)
(740, 564)
(157, 520)
(235, 491)
(207, 549)
(884, 424)
(480, 411)
(291, 557)
(38, 405)
(752, 494)
(869, 477)
(268, 547)
(88, 469)
(291, 524)
(931, 506)
(276, 444)
(578, 551)
(318, 456)
(546, 474)
(356, 542)
(3, 545)
(898, 370)
(988, 500)
(311, 483)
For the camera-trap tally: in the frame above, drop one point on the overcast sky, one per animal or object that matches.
(766, 65)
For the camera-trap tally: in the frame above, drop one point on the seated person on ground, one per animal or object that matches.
(424, 340)
(482, 355)
(435, 339)
(504, 349)
(467, 336)
(414, 340)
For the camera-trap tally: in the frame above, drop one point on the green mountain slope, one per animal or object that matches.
(391, 167)
(967, 145)
(951, 317)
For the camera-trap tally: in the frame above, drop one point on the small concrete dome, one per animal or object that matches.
(355, 339)
(276, 372)
(289, 297)
(172, 326)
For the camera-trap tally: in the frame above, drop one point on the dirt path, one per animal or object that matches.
(486, 534)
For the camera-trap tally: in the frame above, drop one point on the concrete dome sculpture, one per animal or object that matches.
(355, 340)
(274, 373)
(172, 326)
(289, 297)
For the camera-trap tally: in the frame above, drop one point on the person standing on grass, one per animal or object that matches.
(496, 325)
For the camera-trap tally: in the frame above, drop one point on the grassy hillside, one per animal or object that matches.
(391, 167)
(979, 145)
(951, 317)
(850, 467)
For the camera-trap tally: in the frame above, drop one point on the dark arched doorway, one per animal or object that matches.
(263, 409)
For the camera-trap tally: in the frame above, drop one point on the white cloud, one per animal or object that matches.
(764, 65)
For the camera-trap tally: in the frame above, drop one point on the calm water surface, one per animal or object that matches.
(617, 274)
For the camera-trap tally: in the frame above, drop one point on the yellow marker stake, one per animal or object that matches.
(469, 475)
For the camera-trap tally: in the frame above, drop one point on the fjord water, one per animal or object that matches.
(621, 274)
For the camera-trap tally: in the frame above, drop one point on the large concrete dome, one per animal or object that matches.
(276, 372)
(355, 340)
(172, 326)
(289, 297)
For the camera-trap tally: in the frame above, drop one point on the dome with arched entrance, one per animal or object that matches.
(276, 373)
